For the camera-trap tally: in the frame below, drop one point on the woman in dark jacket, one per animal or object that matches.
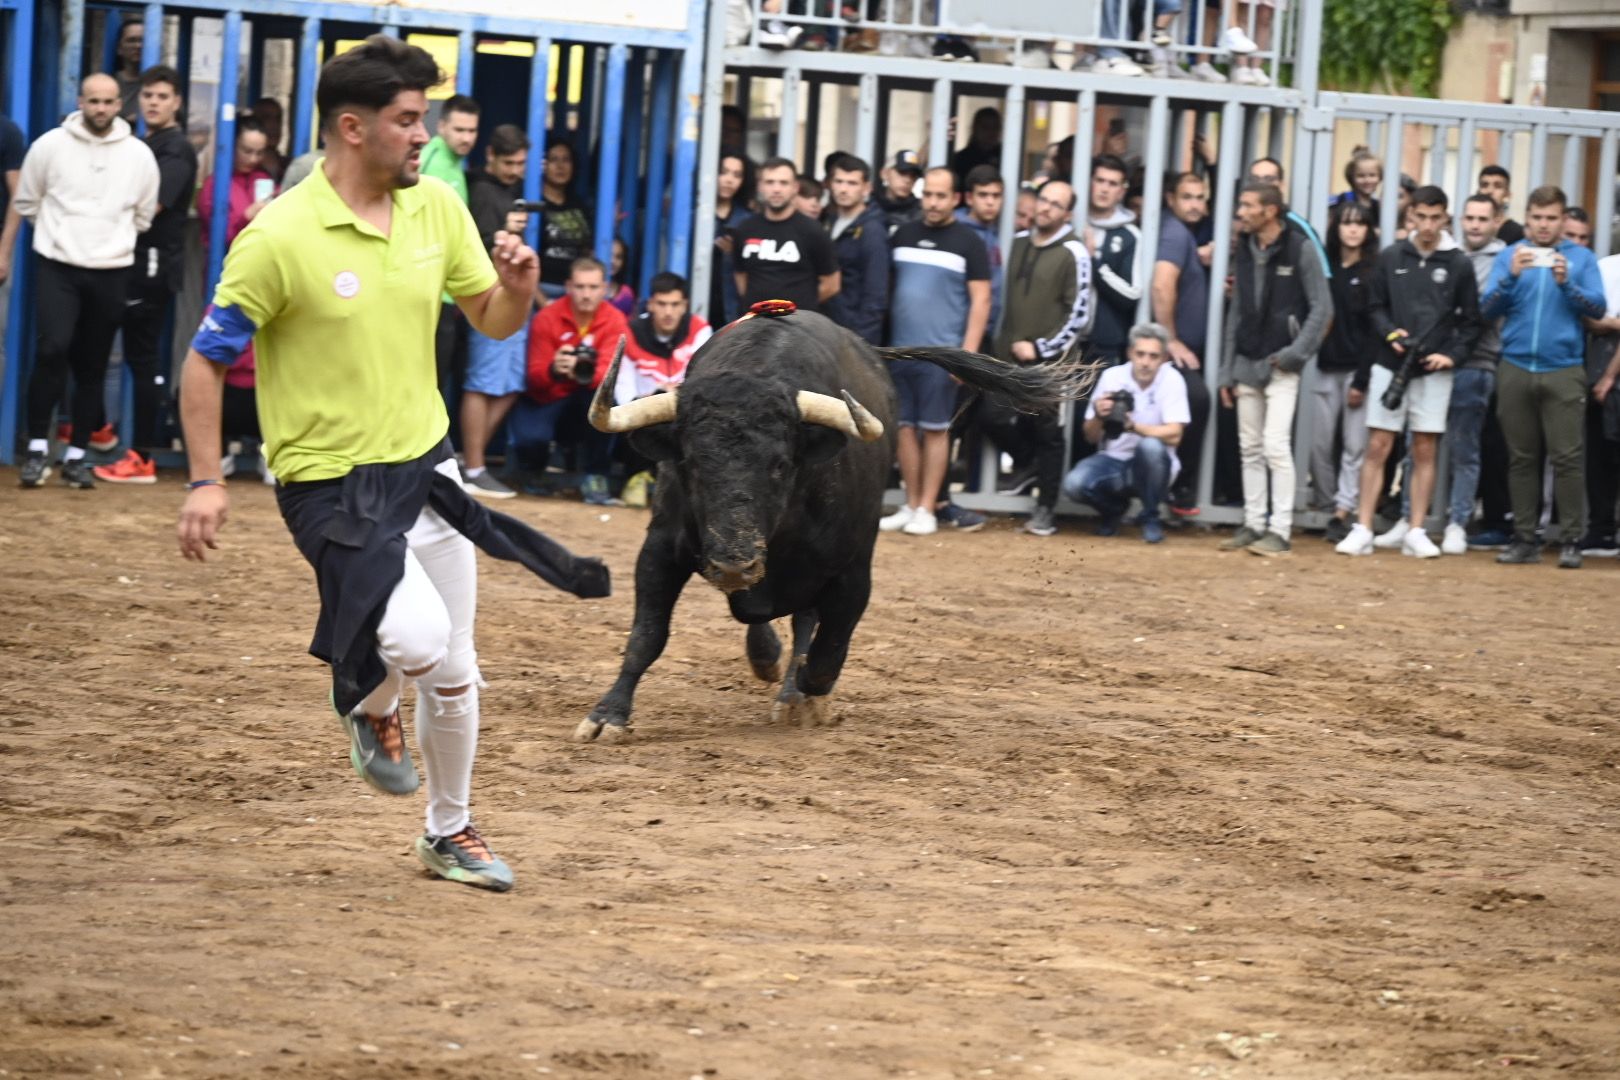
(733, 192)
(1344, 365)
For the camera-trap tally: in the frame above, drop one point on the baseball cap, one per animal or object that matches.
(908, 161)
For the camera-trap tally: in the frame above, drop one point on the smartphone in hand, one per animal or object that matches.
(263, 189)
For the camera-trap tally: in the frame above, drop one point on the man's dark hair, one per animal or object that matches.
(161, 73)
(588, 262)
(1282, 173)
(842, 162)
(1173, 182)
(1497, 170)
(1488, 200)
(668, 281)
(982, 176)
(1073, 195)
(1548, 195)
(1111, 163)
(460, 103)
(372, 74)
(507, 139)
(1429, 195)
(1576, 213)
(810, 188)
(779, 163)
(1268, 194)
(124, 26)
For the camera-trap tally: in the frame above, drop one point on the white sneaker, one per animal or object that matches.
(1204, 71)
(1243, 76)
(922, 523)
(1260, 77)
(1359, 542)
(1236, 42)
(897, 520)
(1455, 541)
(1392, 539)
(1418, 545)
(1038, 57)
(1164, 66)
(227, 466)
(1117, 65)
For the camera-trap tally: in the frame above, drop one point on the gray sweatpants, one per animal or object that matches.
(1336, 478)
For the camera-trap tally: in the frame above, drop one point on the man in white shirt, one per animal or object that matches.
(1137, 414)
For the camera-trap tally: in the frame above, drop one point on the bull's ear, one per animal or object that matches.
(818, 444)
(656, 443)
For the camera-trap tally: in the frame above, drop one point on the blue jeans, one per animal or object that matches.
(1107, 484)
(1110, 20)
(1470, 401)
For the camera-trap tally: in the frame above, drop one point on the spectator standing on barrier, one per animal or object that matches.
(571, 343)
(1543, 287)
(1135, 418)
(158, 273)
(1276, 321)
(1363, 177)
(783, 255)
(982, 202)
(730, 209)
(131, 47)
(13, 148)
(566, 233)
(898, 199)
(860, 240)
(1113, 238)
(942, 298)
(497, 368)
(983, 147)
(1045, 309)
(1497, 182)
(1343, 367)
(1603, 418)
(1475, 383)
(1424, 312)
(90, 188)
(1180, 291)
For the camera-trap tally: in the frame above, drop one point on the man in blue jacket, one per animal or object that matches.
(860, 237)
(1544, 285)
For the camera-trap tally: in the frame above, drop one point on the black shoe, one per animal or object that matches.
(1598, 544)
(78, 473)
(36, 469)
(1570, 557)
(1521, 552)
(1184, 503)
(1337, 529)
(1020, 483)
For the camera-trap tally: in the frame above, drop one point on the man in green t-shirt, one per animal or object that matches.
(337, 285)
(445, 155)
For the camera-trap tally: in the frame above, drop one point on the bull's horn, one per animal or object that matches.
(848, 415)
(643, 412)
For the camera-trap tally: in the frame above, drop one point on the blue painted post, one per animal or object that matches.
(607, 180)
(466, 57)
(230, 69)
(635, 92)
(309, 69)
(686, 147)
(661, 122)
(71, 68)
(539, 109)
(19, 106)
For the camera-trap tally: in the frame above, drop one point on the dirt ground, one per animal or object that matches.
(1095, 809)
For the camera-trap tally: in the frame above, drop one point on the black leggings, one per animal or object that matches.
(78, 313)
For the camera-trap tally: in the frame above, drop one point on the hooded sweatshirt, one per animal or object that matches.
(88, 197)
(1432, 297)
(1048, 294)
(1488, 349)
(1542, 330)
(1118, 290)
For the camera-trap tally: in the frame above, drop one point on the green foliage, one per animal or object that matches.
(1390, 46)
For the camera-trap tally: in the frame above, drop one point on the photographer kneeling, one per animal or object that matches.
(571, 343)
(1137, 413)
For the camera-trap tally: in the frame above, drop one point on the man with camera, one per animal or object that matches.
(566, 342)
(1544, 286)
(1424, 309)
(1136, 417)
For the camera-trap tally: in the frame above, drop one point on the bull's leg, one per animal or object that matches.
(840, 608)
(659, 581)
(790, 702)
(765, 652)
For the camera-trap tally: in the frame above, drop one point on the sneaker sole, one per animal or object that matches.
(459, 874)
(1600, 553)
(966, 528)
(1266, 554)
(44, 476)
(483, 493)
(126, 479)
(1360, 553)
(359, 765)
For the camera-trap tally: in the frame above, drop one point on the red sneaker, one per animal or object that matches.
(64, 433)
(104, 439)
(129, 469)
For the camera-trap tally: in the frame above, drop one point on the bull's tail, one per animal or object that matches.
(1026, 387)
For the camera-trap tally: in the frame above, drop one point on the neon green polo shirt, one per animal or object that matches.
(345, 321)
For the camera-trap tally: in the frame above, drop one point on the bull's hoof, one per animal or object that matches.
(603, 731)
(588, 730)
(774, 673)
(806, 712)
(614, 734)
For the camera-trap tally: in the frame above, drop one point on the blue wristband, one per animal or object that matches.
(195, 484)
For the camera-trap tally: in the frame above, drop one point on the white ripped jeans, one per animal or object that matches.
(428, 628)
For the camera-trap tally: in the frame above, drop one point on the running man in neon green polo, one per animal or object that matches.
(337, 284)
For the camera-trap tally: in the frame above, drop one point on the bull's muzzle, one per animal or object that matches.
(731, 577)
(846, 415)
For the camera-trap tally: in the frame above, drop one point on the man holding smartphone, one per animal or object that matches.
(1544, 286)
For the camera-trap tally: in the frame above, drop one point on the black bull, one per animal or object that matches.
(773, 459)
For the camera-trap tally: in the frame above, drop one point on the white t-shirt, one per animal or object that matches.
(1164, 401)
(1609, 269)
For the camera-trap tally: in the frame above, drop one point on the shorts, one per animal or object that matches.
(927, 394)
(1423, 409)
(497, 368)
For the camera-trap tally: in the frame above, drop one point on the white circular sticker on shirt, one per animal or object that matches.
(346, 284)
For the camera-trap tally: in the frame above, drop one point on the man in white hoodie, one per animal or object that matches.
(90, 187)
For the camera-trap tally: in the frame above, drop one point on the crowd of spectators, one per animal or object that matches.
(1469, 340)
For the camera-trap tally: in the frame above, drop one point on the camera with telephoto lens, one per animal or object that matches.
(1113, 425)
(584, 363)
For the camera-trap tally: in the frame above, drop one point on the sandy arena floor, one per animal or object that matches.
(1095, 810)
